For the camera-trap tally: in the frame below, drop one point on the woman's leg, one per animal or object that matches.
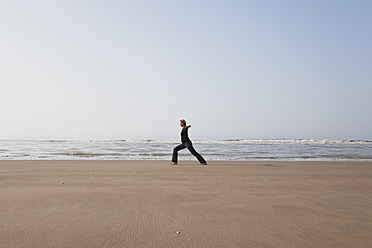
(195, 153)
(175, 152)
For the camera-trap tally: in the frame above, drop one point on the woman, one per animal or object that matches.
(186, 143)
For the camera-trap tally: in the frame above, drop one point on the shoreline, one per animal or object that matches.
(212, 161)
(144, 203)
(242, 150)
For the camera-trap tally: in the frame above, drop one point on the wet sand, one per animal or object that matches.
(224, 204)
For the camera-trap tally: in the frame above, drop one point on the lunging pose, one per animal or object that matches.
(186, 143)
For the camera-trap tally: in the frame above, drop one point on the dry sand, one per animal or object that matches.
(224, 204)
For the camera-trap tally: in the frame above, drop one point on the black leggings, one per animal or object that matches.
(189, 146)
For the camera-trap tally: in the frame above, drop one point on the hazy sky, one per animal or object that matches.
(294, 69)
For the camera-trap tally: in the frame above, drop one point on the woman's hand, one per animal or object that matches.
(188, 126)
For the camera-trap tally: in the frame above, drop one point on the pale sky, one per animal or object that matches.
(242, 69)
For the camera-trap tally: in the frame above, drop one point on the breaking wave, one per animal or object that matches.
(223, 149)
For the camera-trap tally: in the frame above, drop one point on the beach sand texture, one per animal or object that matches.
(224, 204)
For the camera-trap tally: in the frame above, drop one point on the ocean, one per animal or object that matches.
(161, 149)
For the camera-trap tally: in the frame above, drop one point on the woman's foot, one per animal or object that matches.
(174, 163)
(204, 163)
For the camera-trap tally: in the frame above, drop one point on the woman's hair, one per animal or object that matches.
(183, 122)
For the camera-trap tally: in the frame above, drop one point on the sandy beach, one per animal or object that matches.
(155, 204)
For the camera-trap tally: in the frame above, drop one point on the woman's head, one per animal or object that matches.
(182, 123)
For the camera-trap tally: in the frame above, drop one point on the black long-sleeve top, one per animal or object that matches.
(184, 135)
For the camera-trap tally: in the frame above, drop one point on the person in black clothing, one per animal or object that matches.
(186, 143)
